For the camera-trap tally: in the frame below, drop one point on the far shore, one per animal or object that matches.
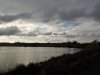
(73, 44)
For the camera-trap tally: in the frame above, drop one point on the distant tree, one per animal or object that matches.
(95, 41)
(75, 42)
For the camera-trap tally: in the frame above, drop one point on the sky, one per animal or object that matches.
(49, 20)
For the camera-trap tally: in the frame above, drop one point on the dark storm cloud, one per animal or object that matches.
(95, 12)
(50, 10)
(13, 30)
(63, 10)
(72, 14)
(9, 18)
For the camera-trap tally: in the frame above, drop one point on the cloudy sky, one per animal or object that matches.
(49, 20)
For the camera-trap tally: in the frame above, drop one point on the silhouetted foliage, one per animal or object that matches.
(73, 44)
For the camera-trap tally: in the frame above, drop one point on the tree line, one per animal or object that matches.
(73, 44)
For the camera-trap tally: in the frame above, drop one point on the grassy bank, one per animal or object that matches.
(85, 62)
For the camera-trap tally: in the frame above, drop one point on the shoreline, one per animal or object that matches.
(74, 44)
(85, 62)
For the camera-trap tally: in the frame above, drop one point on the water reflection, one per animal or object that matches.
(12, 56)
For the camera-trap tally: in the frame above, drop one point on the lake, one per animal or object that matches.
(10, 57)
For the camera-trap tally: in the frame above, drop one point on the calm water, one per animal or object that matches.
(12, 56)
